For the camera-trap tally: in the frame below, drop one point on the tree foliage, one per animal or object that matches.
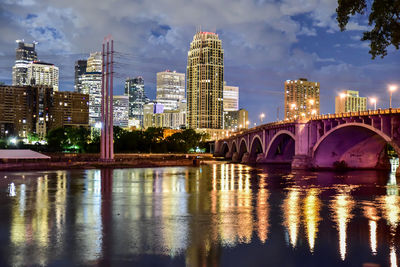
(148, 141)
(384, 16)
(68, 139)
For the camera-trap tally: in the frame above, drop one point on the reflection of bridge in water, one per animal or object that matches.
(355, 139)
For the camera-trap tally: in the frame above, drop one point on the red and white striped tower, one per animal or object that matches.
(107, 140)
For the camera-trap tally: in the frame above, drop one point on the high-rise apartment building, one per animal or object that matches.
(243, 121)
(231, 98)
(69, 109)
(37, 109)
(170, 89)
(134, 89)
(349, 101)
(80, 69)
(120, 111)
(301, 98)
(205, 82)
(41, 73)
(24, 55)
(94, 62)
(91, 85)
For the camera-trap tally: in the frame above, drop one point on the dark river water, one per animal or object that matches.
(214, 215)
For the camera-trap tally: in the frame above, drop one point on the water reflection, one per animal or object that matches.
(291, 214)
(192, 215)
(371, 213)
(262, 211)
(311, 211)
(342, 206)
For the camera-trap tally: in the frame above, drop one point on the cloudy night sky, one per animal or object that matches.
(265, 43)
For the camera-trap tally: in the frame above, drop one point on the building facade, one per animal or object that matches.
(91, 85)
(80, 69)
(41, 73)
(231, 98)
(349, 101)
(94, 62)
(156, 116)
(243, 122)
(301, 99)
(205, 82)
(170, 89)
(231, 120)
(120, 111)
(69, 109)
(134, 89)
(37, 109)
(25, 54)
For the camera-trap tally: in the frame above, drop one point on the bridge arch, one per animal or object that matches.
(256, 148)
(358, 145)
(224, 149)
(243, 148)
(233, 147)
(281, 148)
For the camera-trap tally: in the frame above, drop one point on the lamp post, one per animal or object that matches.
(373, 102)
(392, 88)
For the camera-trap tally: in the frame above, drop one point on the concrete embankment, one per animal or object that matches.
(91, 161)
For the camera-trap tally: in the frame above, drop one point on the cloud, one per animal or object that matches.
(308, 31)
(264, 42)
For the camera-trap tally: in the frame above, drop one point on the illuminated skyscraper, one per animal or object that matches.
(231, 98)
(134, 88)
(121, 110)
(91, 85)
(80, 69)
(205, 82)
(94, 62)
(170, 89)
(243, 119)
(24, 55)
(41, 73)
(301, 99)
(349, 101)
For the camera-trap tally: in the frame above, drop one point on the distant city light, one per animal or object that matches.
(392, 88)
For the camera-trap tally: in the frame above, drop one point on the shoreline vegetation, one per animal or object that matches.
(91, 161)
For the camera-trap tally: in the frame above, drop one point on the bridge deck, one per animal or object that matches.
(316, 118)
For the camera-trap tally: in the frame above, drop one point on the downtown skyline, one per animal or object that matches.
(279, 41)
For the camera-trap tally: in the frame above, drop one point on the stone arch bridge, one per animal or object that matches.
(358, 138)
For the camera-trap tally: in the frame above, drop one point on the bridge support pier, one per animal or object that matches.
(301, 159)
(301, 162)
(235, 157)
(246, 157)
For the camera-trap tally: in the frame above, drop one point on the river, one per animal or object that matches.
(214, 215)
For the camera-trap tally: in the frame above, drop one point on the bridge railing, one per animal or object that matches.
(356, 113)
(318, 117)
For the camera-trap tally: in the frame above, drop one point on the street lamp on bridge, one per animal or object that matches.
(392, 88)
(373, 102)
(262, 115)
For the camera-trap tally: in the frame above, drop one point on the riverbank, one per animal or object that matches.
(91, 161)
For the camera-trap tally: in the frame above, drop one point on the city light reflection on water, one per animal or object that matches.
(218, 214)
